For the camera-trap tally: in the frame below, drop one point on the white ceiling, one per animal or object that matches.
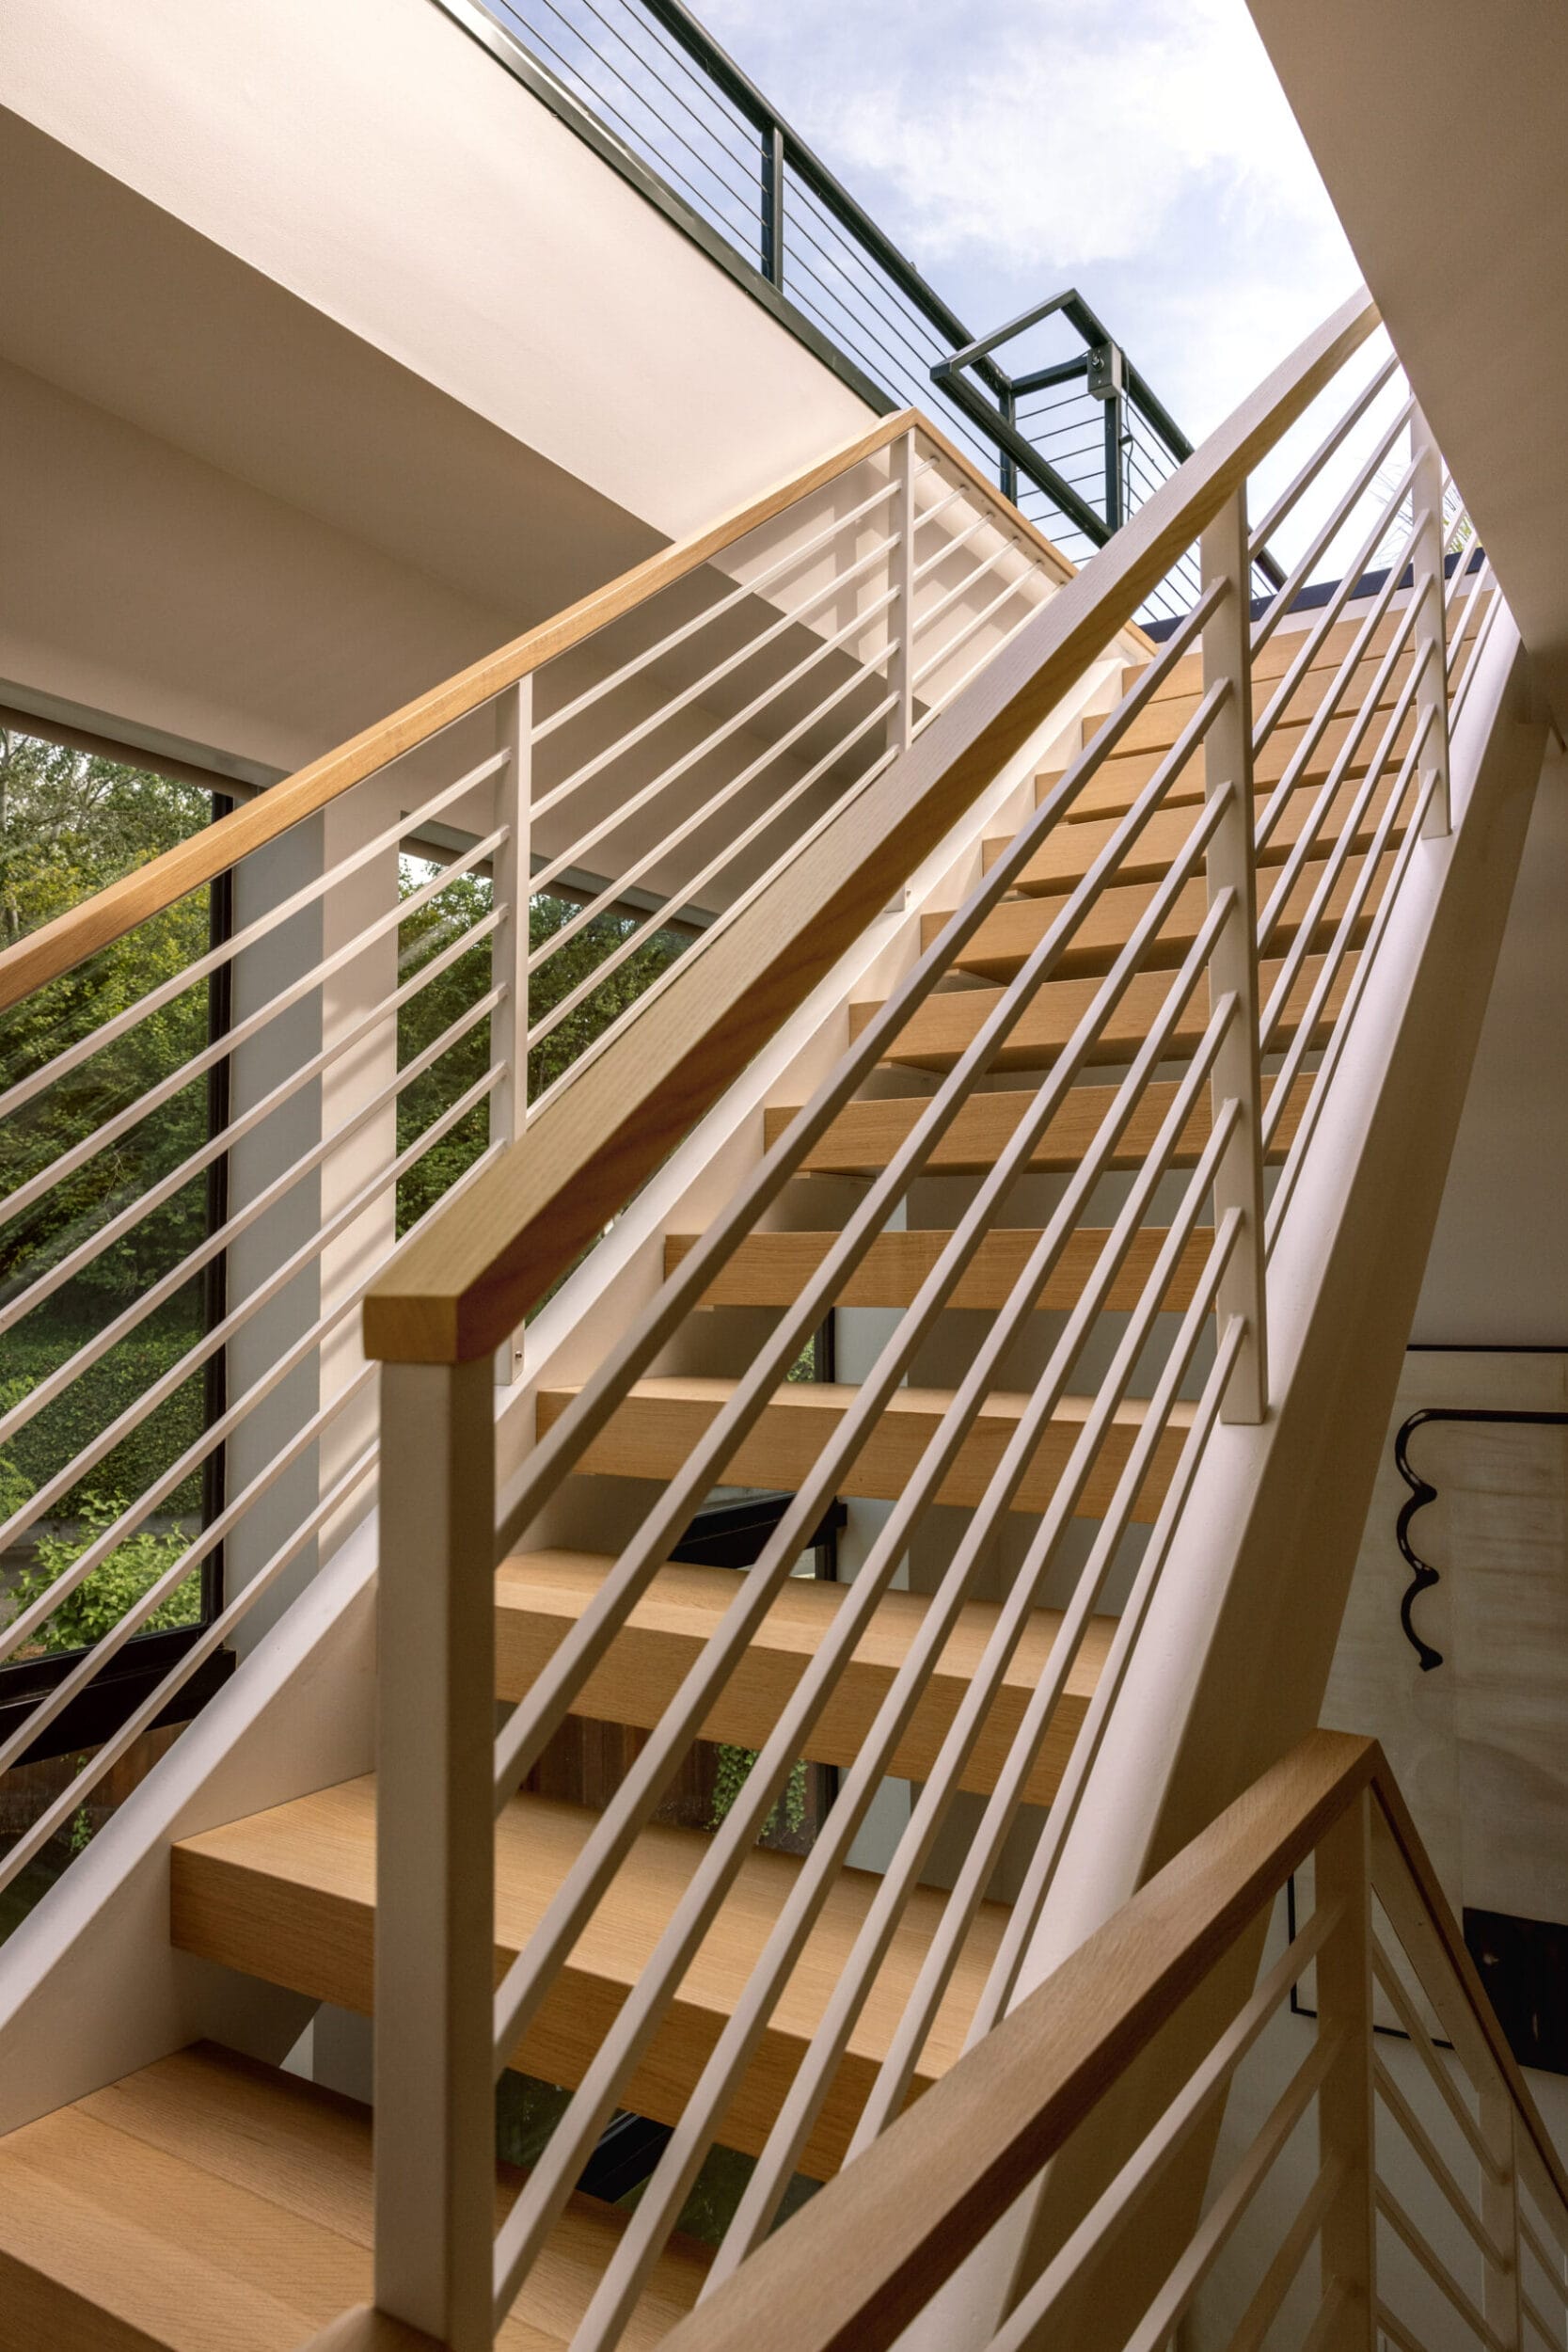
(1441, 129)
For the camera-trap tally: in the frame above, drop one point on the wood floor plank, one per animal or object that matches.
(540, 1595)
(209, 2204)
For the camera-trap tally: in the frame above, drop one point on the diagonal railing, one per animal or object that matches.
(1351, 770)
(434, 926)
(1368, 2037)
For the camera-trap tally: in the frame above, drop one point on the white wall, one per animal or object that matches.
(371, 159)
(1497, 1274)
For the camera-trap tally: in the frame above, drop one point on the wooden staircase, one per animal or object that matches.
(208, 2202)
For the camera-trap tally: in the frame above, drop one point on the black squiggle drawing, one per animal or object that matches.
(1422, 1574)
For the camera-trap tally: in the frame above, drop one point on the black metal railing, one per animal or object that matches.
(1078, 442)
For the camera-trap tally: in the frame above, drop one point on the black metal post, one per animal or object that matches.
(773, 204)
(214, 1275)
(1115, 514)
(1007, 401)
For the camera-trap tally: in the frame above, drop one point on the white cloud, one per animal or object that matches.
(1146, 152)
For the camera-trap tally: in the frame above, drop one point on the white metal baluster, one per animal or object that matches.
(1227, 760)
(434, 2110)
(900, 619)
(1346, 2117)
(1431, 661)
(510, 872)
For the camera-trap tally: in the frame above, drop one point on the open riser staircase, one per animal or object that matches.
(895, 1106)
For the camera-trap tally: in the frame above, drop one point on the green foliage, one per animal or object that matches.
(788, 1815)
(102, 1598)
(443, 1000)
(93, 1399)
(69, 825)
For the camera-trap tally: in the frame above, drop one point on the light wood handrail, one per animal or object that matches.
(857, 2266)
(58, 946)
(464, 1284)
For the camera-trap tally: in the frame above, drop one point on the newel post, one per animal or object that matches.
(435, 1933)
(1233, 965)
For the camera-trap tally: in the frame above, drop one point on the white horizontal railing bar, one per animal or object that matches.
(1262, 532)
(1296, 956)
(167, 990)
(662, 2199)
(949, 547)
(710, 744)
(887, 2095)
(932, 613)
(1483, 629)
(758, 1385)
(1094, 2240)
(1317, 726)
(1301, 1045)
(950, 693)
(556, 1933)
(96, 1658)
(1409, 2017)
(168, 1284)
(591, 1409)
(22, 1627)
(813, 2076)
(748, 588)
(1302, 661)
(62, 1809)
(1024, 1913)
(1263, 628)
(1550, 2263)
(1436, 2269)
(1425, 2146)
(1322, 1077)
(66, 1268)
(976, 621)
(1209, 2241)
(672, 705)
(1339, 765)
(1552, 2337)
(1261, 2312)
(189, 1071)
(702, 814)
(594, 980)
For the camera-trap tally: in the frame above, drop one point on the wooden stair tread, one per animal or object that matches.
(1122, 775)
(655, 1427)
(1070, 849)
(940, 1029)
(289, 1894)
(771, 1270)
(1013, 930)
(539, 1595)
(867, 1134)
(1158, 724)
(1272, 660)
(209, 2204)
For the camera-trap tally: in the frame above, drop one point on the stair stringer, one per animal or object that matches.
(1234, 1653)
(90, 1986)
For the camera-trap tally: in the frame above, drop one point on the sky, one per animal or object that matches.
(1143, 152)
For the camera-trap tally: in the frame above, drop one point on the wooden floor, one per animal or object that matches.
(207, 2204)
